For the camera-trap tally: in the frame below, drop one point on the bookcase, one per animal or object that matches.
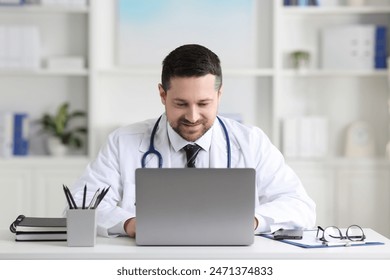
(32, 184)
(264, 93)
(339, 184)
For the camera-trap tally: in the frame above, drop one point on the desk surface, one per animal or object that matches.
(125, 248)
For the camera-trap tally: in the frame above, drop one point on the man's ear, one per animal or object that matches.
(220, 93)
(163, 94)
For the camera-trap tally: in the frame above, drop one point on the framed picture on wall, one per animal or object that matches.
(148, 30)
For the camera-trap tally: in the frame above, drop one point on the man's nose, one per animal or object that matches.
(192, 114)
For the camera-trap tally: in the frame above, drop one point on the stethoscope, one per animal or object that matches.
(153, 151)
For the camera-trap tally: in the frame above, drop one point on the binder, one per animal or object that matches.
(380, 47)
(20, 141)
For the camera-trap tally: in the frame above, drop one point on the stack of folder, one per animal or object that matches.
(39, 229)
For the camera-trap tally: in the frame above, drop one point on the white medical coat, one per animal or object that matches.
(281, 200)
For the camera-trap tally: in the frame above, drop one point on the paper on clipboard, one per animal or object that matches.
(309, 241)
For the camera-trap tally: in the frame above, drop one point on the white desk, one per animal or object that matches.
(125, 248)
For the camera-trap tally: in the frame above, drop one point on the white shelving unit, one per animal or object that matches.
(346, 190)
(32, 185)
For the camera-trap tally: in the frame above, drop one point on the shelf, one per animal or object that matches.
(37, 160)
(6, 9)
(257, 72)
(342, 161)
(44, 72)
(334, 73)
(335, 10)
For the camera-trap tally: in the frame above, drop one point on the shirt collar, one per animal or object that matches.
(178, 142)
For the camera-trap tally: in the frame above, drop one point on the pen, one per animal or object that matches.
(103, 194)
(84, 196)
(67, 197)
(71, 197)
(100, 197)
(93, 199)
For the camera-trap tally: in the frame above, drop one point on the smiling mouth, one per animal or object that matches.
(188, 124)
(191, 125)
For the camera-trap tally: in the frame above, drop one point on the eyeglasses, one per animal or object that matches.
(333, 234)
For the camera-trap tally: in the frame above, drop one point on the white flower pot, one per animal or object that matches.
(56, 148)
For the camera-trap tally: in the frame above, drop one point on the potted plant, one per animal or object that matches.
(62, 135)
(300, 59)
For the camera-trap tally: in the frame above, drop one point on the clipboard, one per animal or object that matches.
(309, 241)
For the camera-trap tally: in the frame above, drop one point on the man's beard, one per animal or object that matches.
(183, 125)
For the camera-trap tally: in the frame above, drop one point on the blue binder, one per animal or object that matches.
(380, 47)
(20, 143)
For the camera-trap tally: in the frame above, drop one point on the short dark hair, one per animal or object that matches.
(191, 61)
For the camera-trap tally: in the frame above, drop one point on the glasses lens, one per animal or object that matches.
(332, 234)
(355, 233)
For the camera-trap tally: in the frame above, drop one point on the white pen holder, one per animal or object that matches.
(81, 227)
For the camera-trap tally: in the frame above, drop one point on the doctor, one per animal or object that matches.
(190, 91)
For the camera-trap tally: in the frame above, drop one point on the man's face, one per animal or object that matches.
(191, 105)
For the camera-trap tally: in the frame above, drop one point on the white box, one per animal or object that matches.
(31, 48)
(71, 3)
(14, 50)
(329, 3)
(66, 62)
(349, 47)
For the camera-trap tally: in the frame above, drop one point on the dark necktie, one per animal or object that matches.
(191, 152)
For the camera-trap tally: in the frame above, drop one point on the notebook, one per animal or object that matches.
(195, 206)
(39, 228)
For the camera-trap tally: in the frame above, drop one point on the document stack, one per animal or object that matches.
(20, 47)
(305, 137)
(39, 229)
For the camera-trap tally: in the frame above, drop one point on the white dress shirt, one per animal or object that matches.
(281, 200)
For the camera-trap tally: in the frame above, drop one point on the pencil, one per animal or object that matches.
(71, 198)
(84, 196)
(67, 197)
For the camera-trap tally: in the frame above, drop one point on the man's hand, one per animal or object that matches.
(129, 227)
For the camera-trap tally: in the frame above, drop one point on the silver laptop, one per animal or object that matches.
(195, 206)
